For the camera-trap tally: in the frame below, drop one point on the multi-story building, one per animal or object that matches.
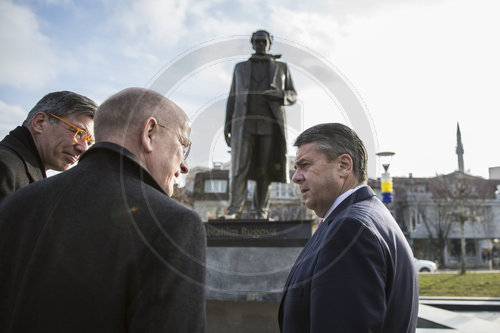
(430, 212)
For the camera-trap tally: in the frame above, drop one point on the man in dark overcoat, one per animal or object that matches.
(255, 125)
(57, 130)
(102, 247)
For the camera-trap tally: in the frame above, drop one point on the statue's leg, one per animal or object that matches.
(239, 177)
(262, 182)
(237, 194)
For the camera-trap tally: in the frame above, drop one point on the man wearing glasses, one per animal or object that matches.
(55, 133)
(102, 247)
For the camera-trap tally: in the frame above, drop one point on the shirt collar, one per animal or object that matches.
(341, 198)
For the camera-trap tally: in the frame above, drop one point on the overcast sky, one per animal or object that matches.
(415, 67)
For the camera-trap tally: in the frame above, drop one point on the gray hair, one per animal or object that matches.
(333, 140)
(61, 104)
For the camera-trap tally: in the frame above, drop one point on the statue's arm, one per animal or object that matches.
(229, 113)
(290, 93)
(282, 89)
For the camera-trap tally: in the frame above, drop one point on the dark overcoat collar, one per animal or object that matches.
(128, 161)
(21, 142)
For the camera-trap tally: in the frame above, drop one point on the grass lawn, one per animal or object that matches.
(453, 284)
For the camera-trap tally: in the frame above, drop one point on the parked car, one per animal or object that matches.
(425, 265)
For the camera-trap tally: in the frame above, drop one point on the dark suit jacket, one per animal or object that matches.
(19, 161)
(355, 274)
(100, 248)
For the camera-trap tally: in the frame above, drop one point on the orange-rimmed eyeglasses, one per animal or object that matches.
(186, 145)
(80, 134)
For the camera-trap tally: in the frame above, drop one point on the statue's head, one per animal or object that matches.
(261, 41)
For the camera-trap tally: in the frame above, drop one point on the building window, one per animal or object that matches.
(455, 250)
(415, 218)
(215, 186)
(283, 190)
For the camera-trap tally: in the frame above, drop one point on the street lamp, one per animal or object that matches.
(385, 178)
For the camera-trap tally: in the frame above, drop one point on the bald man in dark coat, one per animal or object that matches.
(102, 247)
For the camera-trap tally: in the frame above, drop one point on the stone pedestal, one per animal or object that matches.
(248, 262)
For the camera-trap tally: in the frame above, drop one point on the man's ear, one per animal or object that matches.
(148, 134)
(345, 165)
(39, 122)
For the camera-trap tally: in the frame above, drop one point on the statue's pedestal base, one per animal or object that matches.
(227, 316)
(248, 262)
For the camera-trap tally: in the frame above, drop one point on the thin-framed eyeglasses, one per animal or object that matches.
(186, 145)
(80, 134)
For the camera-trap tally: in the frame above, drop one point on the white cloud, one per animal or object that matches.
(154, 21)
(421, 69)
(55, 2)
(10, 117)
(27, 59)
(318, 31)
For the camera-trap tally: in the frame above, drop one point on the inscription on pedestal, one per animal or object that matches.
(260, 233)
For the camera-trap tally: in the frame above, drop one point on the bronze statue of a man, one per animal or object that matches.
(255, 125)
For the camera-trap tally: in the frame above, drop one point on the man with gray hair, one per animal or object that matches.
(356, 273)
(55, 133)
(102, 247)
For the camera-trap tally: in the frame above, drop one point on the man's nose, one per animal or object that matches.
(82, 147)
(184, 167)
(297, 177)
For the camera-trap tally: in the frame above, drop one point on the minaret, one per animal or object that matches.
(460, 150)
